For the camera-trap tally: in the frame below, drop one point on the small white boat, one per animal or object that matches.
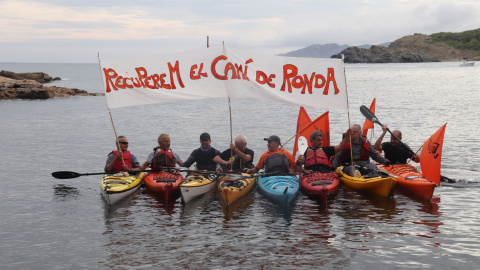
(467, 63)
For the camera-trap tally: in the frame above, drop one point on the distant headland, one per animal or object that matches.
(438, 47)
(30, 86)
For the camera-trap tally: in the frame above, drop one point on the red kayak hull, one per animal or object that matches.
(164, 184)
(320, 185)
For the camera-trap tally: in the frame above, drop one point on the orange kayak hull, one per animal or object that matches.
(410, 180)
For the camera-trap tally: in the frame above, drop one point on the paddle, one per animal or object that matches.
(254, 175)
(370, 116)
(376, 171)
(302, 147)
(69, 175)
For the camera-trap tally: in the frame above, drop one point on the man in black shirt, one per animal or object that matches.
(203, 156)
(396, 152)
(238, 155)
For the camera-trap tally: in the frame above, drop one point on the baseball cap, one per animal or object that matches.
(273, 138)
(205, 136)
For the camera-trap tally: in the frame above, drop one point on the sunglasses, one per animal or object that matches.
(124, 143)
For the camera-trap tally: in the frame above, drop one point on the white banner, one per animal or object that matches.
(219, 72)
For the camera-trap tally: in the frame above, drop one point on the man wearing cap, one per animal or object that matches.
(204, 155)
(276, 159)
(242, 155)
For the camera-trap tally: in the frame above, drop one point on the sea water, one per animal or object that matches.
(48, 223)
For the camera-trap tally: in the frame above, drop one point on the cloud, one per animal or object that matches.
(263, 25)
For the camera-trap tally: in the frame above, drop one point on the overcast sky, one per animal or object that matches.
(73, 31)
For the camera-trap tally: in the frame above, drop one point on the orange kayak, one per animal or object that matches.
(163, 183)
(409, 179)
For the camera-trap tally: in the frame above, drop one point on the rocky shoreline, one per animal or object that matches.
(30, 86)
(408, 49)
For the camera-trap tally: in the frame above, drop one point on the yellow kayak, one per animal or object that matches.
(117, 187)
(197, 184)
(377, 185)
(232, 187)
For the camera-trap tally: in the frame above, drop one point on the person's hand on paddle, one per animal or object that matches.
(118, 156)
(305, 171)
(384, 128)
(300, 160)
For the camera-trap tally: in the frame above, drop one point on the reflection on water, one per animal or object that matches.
(160, 203)
(238, 207)
(63, 192)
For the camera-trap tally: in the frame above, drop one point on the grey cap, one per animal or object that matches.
(273, 138)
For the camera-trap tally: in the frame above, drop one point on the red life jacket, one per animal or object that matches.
(163, 158)
(127, 158)
(314, 157)
(365, 151)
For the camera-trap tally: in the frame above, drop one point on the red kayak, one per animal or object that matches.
(163, 183)
(409, 179)
(320, 185)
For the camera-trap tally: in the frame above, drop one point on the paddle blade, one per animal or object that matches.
(302, 145)
(369, 115)
(65, 175)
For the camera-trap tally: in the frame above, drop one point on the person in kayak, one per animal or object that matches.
(276, 159)
(396, 152)
(203, 156)
(122, 160)
(162, 155)
(362, 151)
(242, 155)
(317, 158)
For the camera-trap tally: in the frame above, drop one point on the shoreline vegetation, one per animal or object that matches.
(30, 86)
(438, 47)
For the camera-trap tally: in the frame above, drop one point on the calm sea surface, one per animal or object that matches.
(48, 223)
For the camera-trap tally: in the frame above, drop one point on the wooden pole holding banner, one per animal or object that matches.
(111, 120)
(348, 113)
(229, 107)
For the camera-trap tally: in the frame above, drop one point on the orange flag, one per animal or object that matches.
(303, 121)
(368, 124)
(321, 123)
(431, 156)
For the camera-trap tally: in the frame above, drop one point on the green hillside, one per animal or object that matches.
(468, 40)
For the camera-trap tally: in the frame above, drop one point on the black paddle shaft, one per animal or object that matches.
(370, 116)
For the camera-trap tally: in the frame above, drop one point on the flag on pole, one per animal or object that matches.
(322, 123)
(368, 124)
(302, 121)
(431, 156)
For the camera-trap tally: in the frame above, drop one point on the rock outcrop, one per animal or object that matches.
(32, 88)
(414, 48)
(36, 76)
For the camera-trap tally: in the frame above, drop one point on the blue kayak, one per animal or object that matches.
(281, 189)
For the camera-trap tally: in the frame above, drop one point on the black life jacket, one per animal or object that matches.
(276, 162)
